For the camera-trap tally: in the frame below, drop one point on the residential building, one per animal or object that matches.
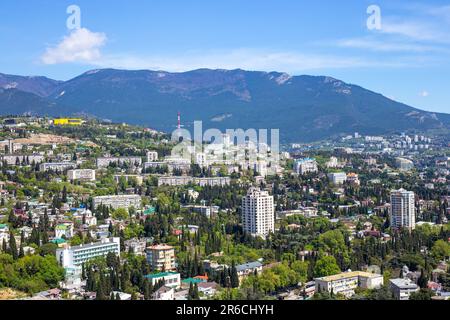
(337, 177)
(13, 159)
(81, 174)
(106, 161)
(56, 166)
(345, 283)
(185, 180)
(70, 257)
(164, 293)
(402, 211)
(304, 166)
(404, 164)
(152, 156)
(171, 279)
(402, 288)
(246, 269)
(118, 201)
(161, 257)
(258, 217)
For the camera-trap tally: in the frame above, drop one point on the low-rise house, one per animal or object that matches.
(243, 270)
(345, 283)
(402, 288)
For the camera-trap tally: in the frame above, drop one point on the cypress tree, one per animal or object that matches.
(13, 246)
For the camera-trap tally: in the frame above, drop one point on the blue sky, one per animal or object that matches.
(408, 59)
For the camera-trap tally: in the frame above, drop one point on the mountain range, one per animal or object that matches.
(304, 108)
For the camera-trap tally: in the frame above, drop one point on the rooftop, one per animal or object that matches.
(351, 274)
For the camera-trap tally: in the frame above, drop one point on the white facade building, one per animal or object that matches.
(81, 174)
(402, 209)
(118, 201)
(71, 257)
(258, 212)
(152, 156)
(345, 283)
(337, 177)
(304, 166)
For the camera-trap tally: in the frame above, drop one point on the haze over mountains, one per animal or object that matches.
(304, 108)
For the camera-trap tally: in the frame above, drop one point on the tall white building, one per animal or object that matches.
(402, 209)
(258, 212)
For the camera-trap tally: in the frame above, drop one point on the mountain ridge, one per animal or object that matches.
(304, 108)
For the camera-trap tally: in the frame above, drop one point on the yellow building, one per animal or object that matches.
(67, 122)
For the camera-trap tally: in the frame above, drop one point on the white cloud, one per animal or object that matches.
(388, 46)
(424, 94)
(81, 45)
(248, 59)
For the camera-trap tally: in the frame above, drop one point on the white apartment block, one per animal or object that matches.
(185, 180)
(337, 177)
(12, 159)
(118, 201)
(81, 174)
(305, 166)
(106, 161)
(171, 279)
(56, 166)
(152, 156)
(345, 283)
(161, 257)
(402, 288)
(402, 209)
(258, 212)
(71, 257)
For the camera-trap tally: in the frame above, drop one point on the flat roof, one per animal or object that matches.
(351, 274)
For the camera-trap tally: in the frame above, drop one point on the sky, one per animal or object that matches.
(398, 48)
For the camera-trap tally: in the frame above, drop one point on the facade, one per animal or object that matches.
(404, 164)
(106, 161)
(345, 283)
(13, 159)
(402, 209)
(152, 156)
(185, 180)
(118, 201)
(171, 279)
(161, 257)
(246, 269)
(258, 216)
(353, 179)
(71, 257)
(56, 166)
(402, 288)
(81, 174)
(64, 230)
(304, 166)
(337, 177)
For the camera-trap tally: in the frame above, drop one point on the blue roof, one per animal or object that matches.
(249, 265)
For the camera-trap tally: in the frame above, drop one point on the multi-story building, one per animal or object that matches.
(81, 174)
(402, 288)
(71, 257)
(304, 166)
(337, 177)
(64, 230)
(246, 269)
(131, 161)
(152, 156)
(258, 216)
(404, 164)
(345, 283)
(118, 201)
(353, 178)
(13, 159)
(402, 209)
(171, 279)
(161, 257)
(185, 180)
(56, 166)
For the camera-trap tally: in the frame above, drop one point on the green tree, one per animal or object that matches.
(326, 266)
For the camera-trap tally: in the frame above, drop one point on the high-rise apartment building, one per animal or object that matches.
(258, 212)
(402, 209)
